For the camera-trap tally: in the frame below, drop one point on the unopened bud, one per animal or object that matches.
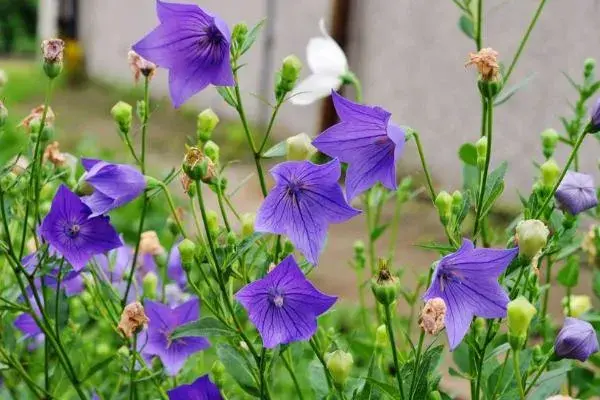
(481, 147)
(360, 259)
(339, 364)
(218, 373)
(140, 109)
(149, 285)
(122, 113)
(52, 51)
(231, 239)
(549, 140)
(443, 203)
(212, 222)
(531, 236)
(133, 319)
(550, 173)
(384, 285)
(187, 250)
(457, 202)
(198, 166)
(206, 124)
(520, 312)
(239, 34)
(123, 351)
(211, 149)
(287, 77)
(382, 339)
(434, 395)
(433, 316)
(299, 147)
(577, 304)
(248, 224)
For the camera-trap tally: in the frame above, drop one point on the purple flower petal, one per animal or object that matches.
(576, 340)
(201, 389)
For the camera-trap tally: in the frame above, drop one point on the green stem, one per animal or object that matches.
(430, 188)
(562, 174)
(315, 349)
(390, 329)
(145, 123)
(417, 359)
(289, 366)
(488, 156)
(264, 391)
(489, 336)
(547, 292)
(524, 40)
(270, 126)
(222, 206)
(497, 386)
(353, 80)
(518, 376)
(132, 368)
(478, 37)
(23, 373)
(46, 344)
(57, 299)
(173, 209)
(539, 372)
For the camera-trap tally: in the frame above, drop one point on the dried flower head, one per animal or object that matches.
(52, 153)
(433, 315)
(19, 165)
(589, 244)
(36, 115)
(486, 61)
(149, 244)
(52, 50)
(140, 66)
(198, 166)
(186, 182)
(133, 319)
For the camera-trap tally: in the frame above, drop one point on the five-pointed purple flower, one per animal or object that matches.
(114, 185)
(284, 305)
(577, 192)
(71, 230)
(306, 198)
(201, 389)
(467, 281)
(576, 340)
(163, 320)
(366, 140)
(193, 45)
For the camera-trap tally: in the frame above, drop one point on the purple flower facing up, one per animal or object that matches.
(284, 305)
(467, 281)
(114, 185)
(71, 230)
(163, 320)
(576, 340)
(193, 45)
(306, 198)
(201, 389)
(366, 140)
(577, 192)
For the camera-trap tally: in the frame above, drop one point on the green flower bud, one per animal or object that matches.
(218, 373)
(550, 173)
(457, 202)
(248, 224)
(537, 354)
(287, 77)
(231, 239)
(3, 114)
(47, 133)
(122, 113)
(211, 149)
(435, 395)
(140, 109)
(239, 34)
(443, 203)
(481, 148)
(385, 286)
(489, 89)
(520, 312)
(382, 339)
(86, 299)
(52, 51)
(149, 285)
(579, 304)
(187, 249)
(123, 352)
(549, 140)
(339, 364)
(588, 67)
(299, 147)
(360, 259)
(206, 124)
(102, 349)
(212, 222)
(531, 236)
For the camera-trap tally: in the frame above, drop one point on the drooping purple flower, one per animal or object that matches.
(577, 192)
(306, 198)
(29, 328)
(576, 340)
(467, 281)
(175, 270)
(201, 389)
(284, 305)
(72, 232)
(193, 45)
(163, 320)
(114, 185)
(366, 140)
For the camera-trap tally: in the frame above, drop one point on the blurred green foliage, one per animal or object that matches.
(18, 22)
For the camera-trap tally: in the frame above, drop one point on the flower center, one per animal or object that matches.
(447, 277)
(73, 230)
(276, 298)
(212, 44)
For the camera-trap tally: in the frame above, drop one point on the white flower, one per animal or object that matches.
(328, 65)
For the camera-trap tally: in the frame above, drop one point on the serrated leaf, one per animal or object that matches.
(465, 23)
(227, 95)
(507, 93)
(237, 366)
(251, 37)
(278, 150)
(207, 326)
(569, 274)
(468, 154)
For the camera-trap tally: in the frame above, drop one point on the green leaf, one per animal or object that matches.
(468, 154)
(549, 383)
(97, 367)
(207, 326)
(227, 95)
(569, 274)
(378, 231)
(461, 357)
(493, 188)
(507, 93)
(318, 381)
(390, 390)
(237, 366)
(251, 37)
(466, 26)
(242, 248)
(278, 150)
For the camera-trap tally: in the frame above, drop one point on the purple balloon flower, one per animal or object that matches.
(467, 281)
(284, 305)
(114, 185)
(175, 270)
(576, 340)
(201, 389)
(594, 124)
(193, 45)
(29, 328)
(163, 320)
(366, 140)
(74, 233)
(306, 198)
(577, 192)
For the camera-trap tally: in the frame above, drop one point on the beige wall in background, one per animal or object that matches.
(410, 56)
